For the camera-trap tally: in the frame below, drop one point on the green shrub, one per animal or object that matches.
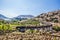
(56, 28)
(0, 27)
(56, 21)
(5, 27)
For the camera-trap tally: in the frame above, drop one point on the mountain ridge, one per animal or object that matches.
(17, 18)
(2, 16)
(53, 16)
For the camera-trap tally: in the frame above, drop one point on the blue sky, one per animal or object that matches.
(12, 8)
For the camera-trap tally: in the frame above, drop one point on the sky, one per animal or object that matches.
(13, 8)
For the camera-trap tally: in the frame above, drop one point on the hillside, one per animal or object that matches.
(53, 16)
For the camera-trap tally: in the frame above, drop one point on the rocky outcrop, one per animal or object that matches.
(24, 36)
(53, 16)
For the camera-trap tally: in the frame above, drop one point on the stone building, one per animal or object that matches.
(41, 28)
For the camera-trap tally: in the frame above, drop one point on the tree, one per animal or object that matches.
(56, 21)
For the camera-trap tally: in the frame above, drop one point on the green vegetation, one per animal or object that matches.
(55, 21)
(5, 27)
(57, 28)
(30, 22)
(11, 25)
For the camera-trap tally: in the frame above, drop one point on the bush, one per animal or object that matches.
(56, 28)
(5, 27)
(0, 27)
(56, 21)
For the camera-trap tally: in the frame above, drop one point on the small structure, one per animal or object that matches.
(44, 28)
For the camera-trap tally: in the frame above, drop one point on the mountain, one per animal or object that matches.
(2, 16)
(20, 17)
(53, 16)
(23, 17)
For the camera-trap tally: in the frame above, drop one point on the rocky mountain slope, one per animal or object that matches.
(53, 16)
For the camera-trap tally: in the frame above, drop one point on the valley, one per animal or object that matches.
(27, 27)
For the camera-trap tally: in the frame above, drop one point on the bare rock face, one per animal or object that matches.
(53, 16)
